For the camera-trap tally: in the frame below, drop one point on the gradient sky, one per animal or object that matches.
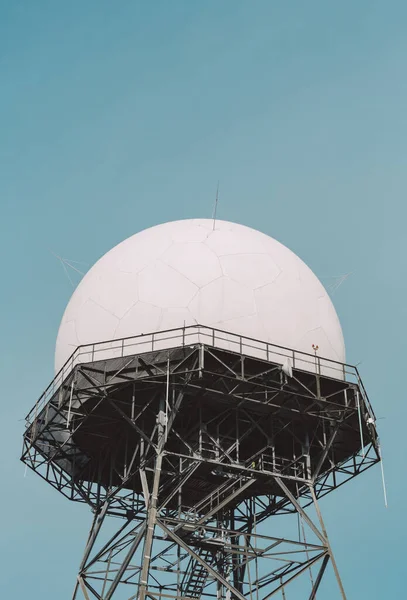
(115, 116)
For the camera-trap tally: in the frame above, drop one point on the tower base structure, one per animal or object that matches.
(196, 440)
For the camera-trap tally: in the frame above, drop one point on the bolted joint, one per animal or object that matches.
(162, 418)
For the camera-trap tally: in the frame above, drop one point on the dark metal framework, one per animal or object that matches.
(195, 447)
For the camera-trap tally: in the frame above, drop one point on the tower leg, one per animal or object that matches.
(151, 522)
(321, 534)
(331, 554)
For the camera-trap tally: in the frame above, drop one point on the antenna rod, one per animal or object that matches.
(383, 480)
(65, 262)
(216, 206)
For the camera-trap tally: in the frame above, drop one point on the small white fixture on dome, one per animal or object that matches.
(183, 273)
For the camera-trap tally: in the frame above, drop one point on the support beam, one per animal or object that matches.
(334, 565)
(151, 523)
(125, 563)
(153, 501)
(319, 578)
(301, 511)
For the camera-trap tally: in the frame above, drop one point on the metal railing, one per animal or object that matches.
(211, 337)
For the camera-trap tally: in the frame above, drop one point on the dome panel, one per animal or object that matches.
(222, 300)
(70, 336)
(238, 300)
(293, 306)
(163, 286)
(224, 242)
(194, 261)
(194, 233)
(250, 326)
(332, 327)
(115, 290)
(206, 306)
(142, 317)
(172, 317)
(92, 321)
(137, 252)
(254, 270)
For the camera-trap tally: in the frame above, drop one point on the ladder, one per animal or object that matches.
(196, 575)
(214, 502)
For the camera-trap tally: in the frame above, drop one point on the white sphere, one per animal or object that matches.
(185, 273)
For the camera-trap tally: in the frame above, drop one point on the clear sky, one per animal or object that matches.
(115, 116)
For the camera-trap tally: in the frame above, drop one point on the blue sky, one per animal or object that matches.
(115, 116)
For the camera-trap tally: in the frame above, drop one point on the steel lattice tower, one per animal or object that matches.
(195, 440)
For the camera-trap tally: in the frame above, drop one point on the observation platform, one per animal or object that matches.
(235, 414)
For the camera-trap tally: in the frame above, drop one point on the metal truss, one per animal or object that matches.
(196, 561)
(195, 448)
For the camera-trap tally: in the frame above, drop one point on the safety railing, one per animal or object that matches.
(211, 337)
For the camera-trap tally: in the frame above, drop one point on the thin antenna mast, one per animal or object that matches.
(65, 262)
(383, 480)
(338, 281)
(216, 206)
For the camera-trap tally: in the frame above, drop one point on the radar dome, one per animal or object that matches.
(183, 273)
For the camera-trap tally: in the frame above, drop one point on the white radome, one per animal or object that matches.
(232, 278)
